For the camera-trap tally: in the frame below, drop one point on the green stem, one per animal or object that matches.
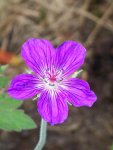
(42, 138)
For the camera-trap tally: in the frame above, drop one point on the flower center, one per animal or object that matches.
(52, 77)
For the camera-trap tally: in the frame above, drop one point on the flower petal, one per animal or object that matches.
(52, 107)
(78, 93)
(24, 86)
(70, 56)
(38, 54)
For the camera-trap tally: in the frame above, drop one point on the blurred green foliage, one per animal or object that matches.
(3, 81)
(111, 147)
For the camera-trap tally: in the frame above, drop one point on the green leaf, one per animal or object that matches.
(3, 68)
(11, 118)
(15, 120)
(9, 103)
(3, 81)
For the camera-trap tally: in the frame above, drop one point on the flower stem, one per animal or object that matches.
(42, 138)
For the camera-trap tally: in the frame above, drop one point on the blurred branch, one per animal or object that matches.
(93, 34)
(24, 11)
(92, 17)
(48, 6)
(84, 8)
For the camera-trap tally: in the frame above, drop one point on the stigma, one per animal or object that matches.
(52, 77)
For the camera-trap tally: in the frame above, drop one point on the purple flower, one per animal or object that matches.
(52, 78)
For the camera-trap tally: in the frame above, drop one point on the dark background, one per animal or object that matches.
(87, 21)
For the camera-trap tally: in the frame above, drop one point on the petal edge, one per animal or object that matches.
(24, 86)
(78, 93)
(52, 109)
(70, 56)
